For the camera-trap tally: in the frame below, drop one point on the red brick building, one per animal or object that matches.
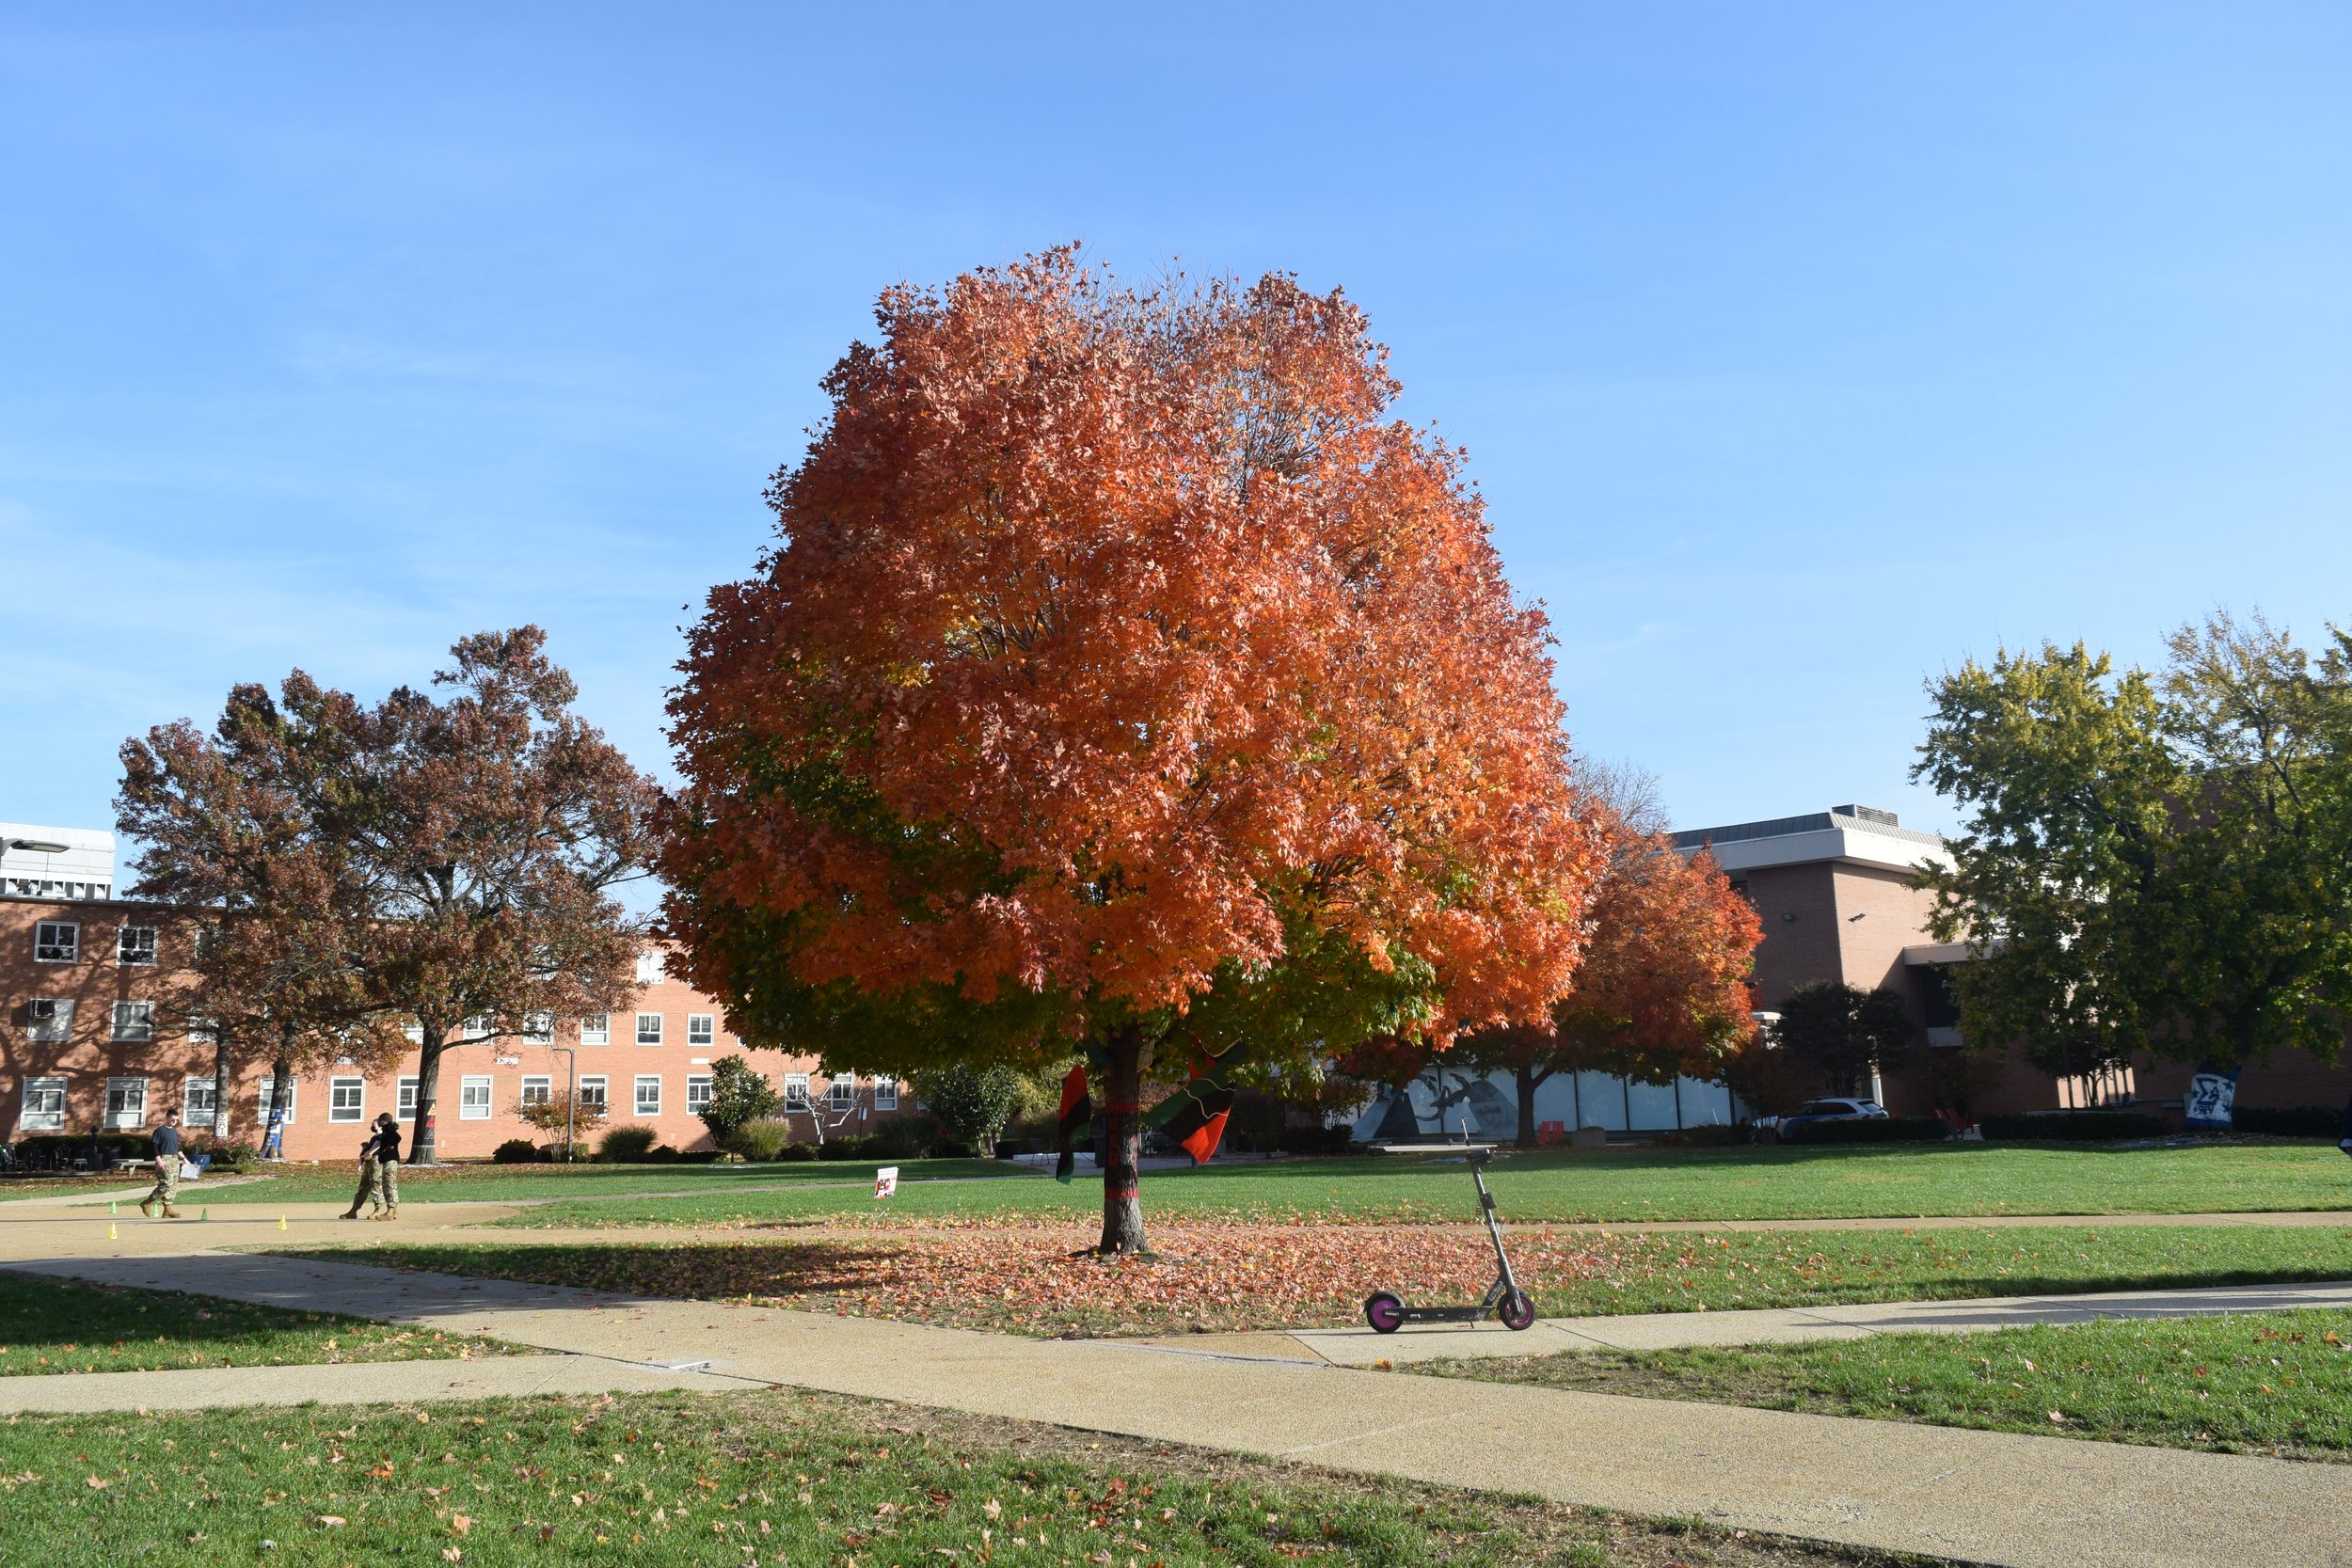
(91, 1038)
(1832, 889)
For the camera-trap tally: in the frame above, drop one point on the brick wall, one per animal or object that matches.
(91, 1055)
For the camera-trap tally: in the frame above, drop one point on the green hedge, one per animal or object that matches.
(2073, 1127)
(1876, 1129)
(2290, 1121)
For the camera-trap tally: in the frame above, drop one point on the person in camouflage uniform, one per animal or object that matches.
(166, 1146)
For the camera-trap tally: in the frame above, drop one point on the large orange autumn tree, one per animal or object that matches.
(1122, 675)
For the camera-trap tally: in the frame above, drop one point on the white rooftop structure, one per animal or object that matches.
(1861, 835)
(56, 863)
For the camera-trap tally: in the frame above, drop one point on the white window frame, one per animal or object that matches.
(294, 1098)
(203, 1030)
(38, 1090)
(641, 1019)
(885, 1094)
(134, 1022)
(49, 1020)
(414, 1030)
(57, 942)
(841, 1091)
(539, 1028)
(339, 1090)
(405, 1098)
(637, 1095)
(595, 1089)
(796, 1091)
(125, 1119)
(651, 968)
(134, 947)
(596, 1029)
(697, 1093)
(539, 1089)
(474, 1098)
(702, 1029)
(194, 1112)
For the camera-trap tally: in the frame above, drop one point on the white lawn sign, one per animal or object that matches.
(886, 1182)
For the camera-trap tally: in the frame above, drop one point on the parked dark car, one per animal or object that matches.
(1771, 1130)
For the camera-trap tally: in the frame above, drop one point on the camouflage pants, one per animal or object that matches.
(379, 1184)
(368, 1187)
(388, 1182)
(166, 1183)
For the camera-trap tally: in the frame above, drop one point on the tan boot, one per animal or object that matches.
(169, 1212)
(147, 1206)
(392, 1212)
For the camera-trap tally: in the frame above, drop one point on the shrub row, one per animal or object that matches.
(2073, 1126)
(1878, 1130)
(2290, 1121)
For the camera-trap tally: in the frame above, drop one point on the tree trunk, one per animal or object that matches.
(1122, 1201)
(280, 1091)
(1529, 1083)
(420, 1142)
(221, 1065)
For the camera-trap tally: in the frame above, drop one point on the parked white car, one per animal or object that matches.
(1771, 1130)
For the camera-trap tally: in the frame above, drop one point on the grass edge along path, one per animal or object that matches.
(1614, 1187)
(1229, 1277)
(50, 1324)
(589, 1182)
(780, 1476)
(2273, 1382)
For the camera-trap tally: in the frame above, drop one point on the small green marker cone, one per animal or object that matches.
(205, 1215)
(110, 1209)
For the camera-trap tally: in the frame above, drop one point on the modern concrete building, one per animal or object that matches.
(91, 1038)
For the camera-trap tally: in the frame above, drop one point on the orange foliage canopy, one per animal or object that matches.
(1116, 648)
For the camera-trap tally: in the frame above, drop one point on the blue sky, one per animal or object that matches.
(1799, 351)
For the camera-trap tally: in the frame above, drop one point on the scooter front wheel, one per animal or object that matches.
(1384, 1312)
(1517, 1310)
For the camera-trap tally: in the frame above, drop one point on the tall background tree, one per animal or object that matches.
(461, 853)
(1842, 1033)
(2152, 862)
(223, 834)
(1122, 675)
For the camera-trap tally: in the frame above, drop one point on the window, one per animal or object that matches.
(265, 1098)
(135, 945)
(843, 1092)
(57, 942)
(796, 1091)
(539, 1028)
(408, 1098)
(346, 1099)
(198, 1102)
(44, 1107)
(538, 1091)
(885, 1094)
(649, 969)
(597, 1029)
(701, 1028)
(649, 1028)
(135, 1021)
(126, 1102)
(414, 1031)
(202, 1030)
(648, 1095)
(480, 1026)
(592, 1092)
(49, 1019)
(697, 1093)
(473, 1098)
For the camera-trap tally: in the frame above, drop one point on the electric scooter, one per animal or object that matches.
(1386, 1313)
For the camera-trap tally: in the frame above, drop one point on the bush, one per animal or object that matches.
(1316, 1139)
(974, 1103)
(1711, 1136)
(796, 1152)
(629, 1145)
(63, 1148)
(2072, 1126)
(760, 1139)
(517, 1151)
(227, 1159)
(553, 1154)
(910, 1136)
(1876, 1129)
(740, 1095)
(845, 1148)
(2290, 1121)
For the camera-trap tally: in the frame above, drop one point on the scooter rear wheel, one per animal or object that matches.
(1384, 1312)
(1517, 1310)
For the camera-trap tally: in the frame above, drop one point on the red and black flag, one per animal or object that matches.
(1077, 1114)
(1194, 1114)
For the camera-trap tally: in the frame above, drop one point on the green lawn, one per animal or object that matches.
(2273, 1382)
(1614, 1186)
(771, 1479)
(60, 1325)
(487, 1184)
(1024, 1279)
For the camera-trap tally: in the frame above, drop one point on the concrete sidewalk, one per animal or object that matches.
(1360, 1347)
(2035, 1502)
(359, 1382)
